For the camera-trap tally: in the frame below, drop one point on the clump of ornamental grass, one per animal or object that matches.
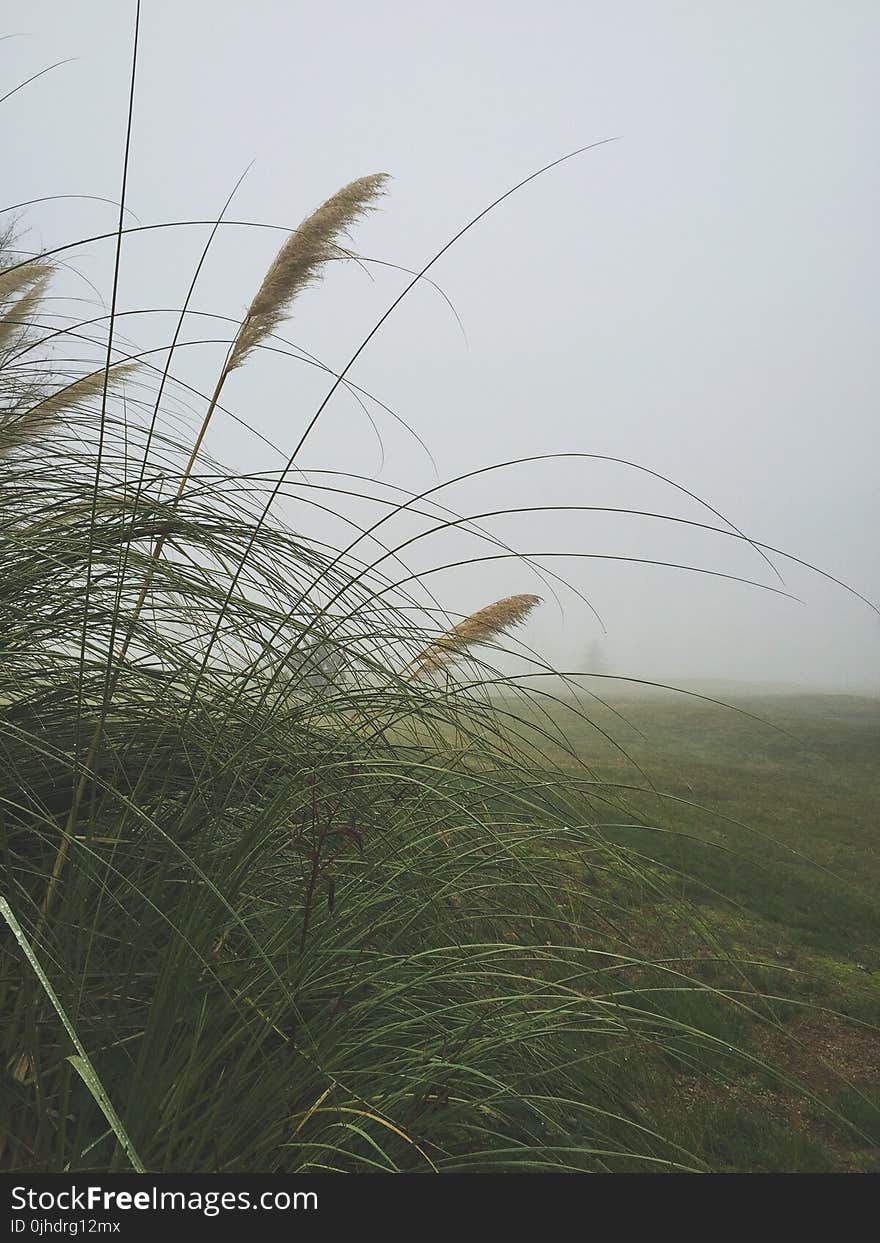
(293, 926)
(297, 265)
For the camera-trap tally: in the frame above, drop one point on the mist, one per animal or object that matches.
(697, 297)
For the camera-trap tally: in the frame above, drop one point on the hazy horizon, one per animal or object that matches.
(698, 296)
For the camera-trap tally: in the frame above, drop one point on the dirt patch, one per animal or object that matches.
(827, 1048)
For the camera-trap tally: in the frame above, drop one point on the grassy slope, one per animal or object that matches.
(794, 886)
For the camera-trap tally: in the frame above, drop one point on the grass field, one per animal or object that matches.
(771, 827)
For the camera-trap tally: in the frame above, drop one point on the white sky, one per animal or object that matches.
(700, 297)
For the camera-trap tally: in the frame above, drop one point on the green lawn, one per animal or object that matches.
(771, 828)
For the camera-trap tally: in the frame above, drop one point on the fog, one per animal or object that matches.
(699, 296)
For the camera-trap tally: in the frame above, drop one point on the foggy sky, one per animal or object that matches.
(700, 296)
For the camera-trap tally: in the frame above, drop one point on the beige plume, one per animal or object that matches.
(300, 259)
(21, 277)
(481, 627)
(23, 427)
(18, 316)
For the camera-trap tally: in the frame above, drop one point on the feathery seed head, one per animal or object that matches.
(15, 279)
(81, 390)
(17, 317)
(25, 426)
(481, 627)
(299, 261)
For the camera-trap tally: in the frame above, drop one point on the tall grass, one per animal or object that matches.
(280, 890)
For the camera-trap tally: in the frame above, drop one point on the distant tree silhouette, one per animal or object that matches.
(595, 659)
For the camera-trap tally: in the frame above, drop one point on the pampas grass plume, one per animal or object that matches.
(481, 627)
(33, 422)
(300, 259)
